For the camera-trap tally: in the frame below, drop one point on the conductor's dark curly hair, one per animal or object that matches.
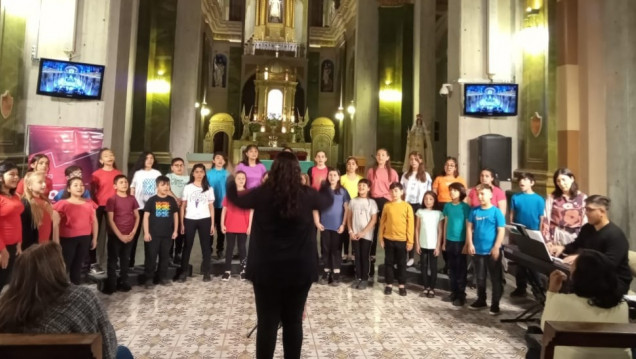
(284, 180)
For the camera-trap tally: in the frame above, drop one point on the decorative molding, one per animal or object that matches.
(334, 34)
(222, 30)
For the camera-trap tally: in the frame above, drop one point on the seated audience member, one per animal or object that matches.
(596, 297)
(41, 299)
(602, 235)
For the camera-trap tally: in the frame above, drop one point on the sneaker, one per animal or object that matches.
(518, 293)
(225, 277)
(450, 298)
(363, 285)
(494, 309)
(124, 287)
(219, 254)
(402, 292)
(165, 282)
(324, 279)
(335, 280)
(207, 277)
(96, 270)
(459, 302)
(410, 262)
(242, 275)
(356, 283)
(478, 304)
(431, 293)
(108, 290)
(182, 278)
(149, 284)
(425, 292)
(388, 290)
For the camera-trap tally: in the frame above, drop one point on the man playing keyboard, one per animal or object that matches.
(602, 235)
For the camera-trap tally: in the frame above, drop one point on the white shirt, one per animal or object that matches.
(197, 201)
(362, 209)
(414, 189)
(145, 186)
(429, 225)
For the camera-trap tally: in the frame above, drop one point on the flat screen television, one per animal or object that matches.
(70, 79)
(490, 99)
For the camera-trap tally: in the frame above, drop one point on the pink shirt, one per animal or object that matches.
(497, 195)
(318, 175)
(381, 179)
(254, 174)
(75, 219)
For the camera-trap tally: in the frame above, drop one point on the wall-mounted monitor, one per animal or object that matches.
(70, 79)
(490, 99)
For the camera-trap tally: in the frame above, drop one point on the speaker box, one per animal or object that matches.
(493, 151)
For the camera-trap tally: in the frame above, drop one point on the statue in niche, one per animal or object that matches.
(218, 73)
(275, 11)
(326, 84)
(419, 139)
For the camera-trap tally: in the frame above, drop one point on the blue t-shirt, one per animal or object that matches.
(217, 180)
(485, 223)
(456, 216)
(527, 208)
(333, 216)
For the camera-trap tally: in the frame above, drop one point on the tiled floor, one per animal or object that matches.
(211, 320)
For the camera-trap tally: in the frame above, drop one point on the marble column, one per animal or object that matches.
(118, 78)
(366, 81)
(619, 30)
(185, 78)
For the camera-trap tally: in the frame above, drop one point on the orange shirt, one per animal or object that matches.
(440, 186)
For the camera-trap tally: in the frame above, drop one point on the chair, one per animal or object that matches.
(50, 346)
(583, 334)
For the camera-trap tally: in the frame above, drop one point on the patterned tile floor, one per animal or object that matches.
(211, 320)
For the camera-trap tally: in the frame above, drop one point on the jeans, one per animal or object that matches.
(486, 264)
(457, 267)
(276, 305)
(241, 240)
(117, 250)
(330, 242)
(394, 253)
(158, 246)
(74, 251)
(202, 226)
(362, 252)
(428, 263)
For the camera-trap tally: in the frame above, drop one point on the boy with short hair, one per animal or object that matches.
(319, 171)
(178, 180)
(363, 214)
(526, 208)
(217, 178)
(123, 219)
(161, 222)
(484, 234)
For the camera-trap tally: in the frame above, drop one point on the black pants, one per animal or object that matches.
(415, 207)
(380, 202)
(440, 206)
(177, 245)
(75, 250)
(457, 267)
(344, 242)
(241, 240)
(362, 252)
(158, 246)
(486, 264)
(394, 253)
(428, 264)
(133, 249)
(117, 250)
(330, 241)
(220, 236)
(283, 305)
(192, 226)
(5, 274)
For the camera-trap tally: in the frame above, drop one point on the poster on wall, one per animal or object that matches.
(66, 146)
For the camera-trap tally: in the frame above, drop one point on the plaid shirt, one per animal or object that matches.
(78, 310)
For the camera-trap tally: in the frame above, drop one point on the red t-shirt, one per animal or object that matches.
(75, 219)
(102, 186)
(46, 227)
(318, 175)
(10, 222)
(497, 195)
(236, 219)
(123, 209)
(49, 186)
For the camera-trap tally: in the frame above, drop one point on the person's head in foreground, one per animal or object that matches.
(594, 278)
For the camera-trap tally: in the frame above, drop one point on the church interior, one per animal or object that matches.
(522, 86)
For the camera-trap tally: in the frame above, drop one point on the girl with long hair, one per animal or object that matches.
(487, 176)
(564, 209)
(332, 224)
(78, 227)
(350, 182)
(449, 175)
(416, 181)
(428, 241)
(10, 223)
(142, 186)
(38, 163)
(235, 223)
(41, 300)
(197, 214)
(283, 258)
(39, 220)
(253, 168)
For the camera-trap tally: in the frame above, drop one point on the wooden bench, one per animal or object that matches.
(50, 346)
(580, 334)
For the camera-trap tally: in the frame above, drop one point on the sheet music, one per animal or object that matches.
(536, 235)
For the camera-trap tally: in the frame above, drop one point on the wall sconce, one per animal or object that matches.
(340, 113)
(351, 110)
(266, 74)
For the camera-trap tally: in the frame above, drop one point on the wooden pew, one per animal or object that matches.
(580, 334)
(50, 346)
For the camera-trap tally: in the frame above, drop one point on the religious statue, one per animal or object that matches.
(275, 11)
(326, 85)
(419, 139)
(218, 75)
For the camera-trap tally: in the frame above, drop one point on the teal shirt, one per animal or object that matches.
(456, 216)
(217, 180)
